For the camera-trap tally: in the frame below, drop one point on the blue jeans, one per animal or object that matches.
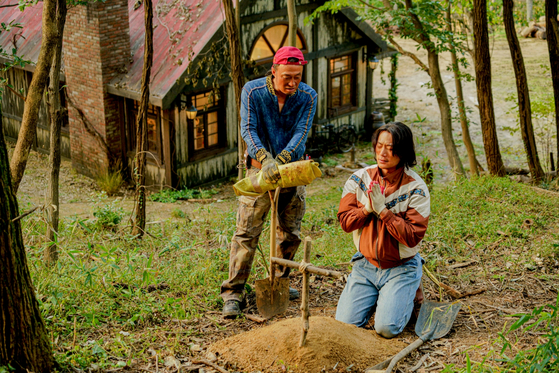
(391, 290)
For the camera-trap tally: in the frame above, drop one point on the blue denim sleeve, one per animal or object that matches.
(296, 147)
(249, 123)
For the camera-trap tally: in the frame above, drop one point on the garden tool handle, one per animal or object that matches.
(402, 354)
(273, 223)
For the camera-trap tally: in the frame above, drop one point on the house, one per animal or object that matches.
(102, 68)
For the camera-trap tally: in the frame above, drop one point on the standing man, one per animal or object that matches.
(277, 112)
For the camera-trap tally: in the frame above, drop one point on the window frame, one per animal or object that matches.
(266, 60)
(220, 108)
(342, 109)
(154, 113)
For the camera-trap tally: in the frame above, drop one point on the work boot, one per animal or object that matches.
(293, 294)
(231, 309)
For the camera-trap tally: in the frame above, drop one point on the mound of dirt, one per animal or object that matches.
(329, 343)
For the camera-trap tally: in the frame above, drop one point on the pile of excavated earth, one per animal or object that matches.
(330, 345)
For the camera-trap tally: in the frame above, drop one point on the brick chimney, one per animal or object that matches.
(96, 49)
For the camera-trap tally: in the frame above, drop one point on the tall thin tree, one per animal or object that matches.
(553, 48)
(56, 115)
(292, 18)
(142, 126)
(35, 94)
(24, 342)
(482, 65)
(525, 111)
(460, 98)
(237, 75)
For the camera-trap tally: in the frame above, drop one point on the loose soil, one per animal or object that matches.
(330, 343)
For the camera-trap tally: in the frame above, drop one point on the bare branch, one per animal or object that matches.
(16, 93)
(409, 54)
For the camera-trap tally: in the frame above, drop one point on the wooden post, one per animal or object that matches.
(305, 297)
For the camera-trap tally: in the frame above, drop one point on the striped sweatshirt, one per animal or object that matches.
(392, 238)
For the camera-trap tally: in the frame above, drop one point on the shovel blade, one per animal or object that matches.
(435, 319)
(272, 301)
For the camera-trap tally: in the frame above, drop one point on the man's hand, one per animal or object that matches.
(270, 169)
(375, 202)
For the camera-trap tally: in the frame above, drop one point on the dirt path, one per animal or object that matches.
(414, 101)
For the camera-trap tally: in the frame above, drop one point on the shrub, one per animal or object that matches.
(108, 216)
(110, 181)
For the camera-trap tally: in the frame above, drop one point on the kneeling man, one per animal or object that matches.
(387, 208)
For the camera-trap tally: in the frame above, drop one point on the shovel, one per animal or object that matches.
(434, 321)
(272, 294)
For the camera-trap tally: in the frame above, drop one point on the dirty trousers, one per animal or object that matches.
(250, 219)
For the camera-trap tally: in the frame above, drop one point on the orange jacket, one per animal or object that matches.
(392, 238)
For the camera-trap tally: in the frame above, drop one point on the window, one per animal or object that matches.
(272, 39)
(341, 95)
(207, 132)
(154, 137)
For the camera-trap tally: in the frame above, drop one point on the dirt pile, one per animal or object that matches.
(329, 343)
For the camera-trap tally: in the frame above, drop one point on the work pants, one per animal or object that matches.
(251, 214)
(391, 291)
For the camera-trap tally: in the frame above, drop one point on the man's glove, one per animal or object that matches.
(270, 168)
(375, 202)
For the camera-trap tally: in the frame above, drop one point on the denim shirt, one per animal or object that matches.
(263, 126)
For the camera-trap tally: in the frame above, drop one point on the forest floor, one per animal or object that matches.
(114, 303)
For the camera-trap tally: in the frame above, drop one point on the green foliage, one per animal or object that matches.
(170, 195)
(108, 214)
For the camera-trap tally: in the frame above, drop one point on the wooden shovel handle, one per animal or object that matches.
(273, 223)
(402, 354)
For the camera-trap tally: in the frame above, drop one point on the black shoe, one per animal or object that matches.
(293, 294)
(231, 309)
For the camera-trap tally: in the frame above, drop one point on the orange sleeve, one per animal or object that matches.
(407, 227)
(350, 214)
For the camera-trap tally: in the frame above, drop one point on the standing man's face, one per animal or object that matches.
(287, 78)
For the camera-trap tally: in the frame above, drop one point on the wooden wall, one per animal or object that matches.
(12, 113)
(330, 36)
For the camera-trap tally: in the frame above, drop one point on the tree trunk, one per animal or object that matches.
(482, 65)
(236, 72)
(524, 109)
(553, 48)
(292, 18)
(440, 90)
(28, 127)
(142, 126)
(460, 98)
(444, 108)
(56, 114)
(529, 10)
(24, 342)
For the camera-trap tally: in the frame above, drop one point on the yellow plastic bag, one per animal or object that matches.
(292, 175)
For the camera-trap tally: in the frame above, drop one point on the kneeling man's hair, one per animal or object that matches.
(402, 142)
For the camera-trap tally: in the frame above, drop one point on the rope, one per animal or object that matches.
(303, 266)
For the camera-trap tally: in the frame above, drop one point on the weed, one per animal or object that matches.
(170, 196)
(178, 214)
(108, 214)
(110, 181)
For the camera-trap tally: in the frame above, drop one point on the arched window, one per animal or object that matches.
(271, 39)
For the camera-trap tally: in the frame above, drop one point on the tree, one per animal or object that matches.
(24, 342)
(237, 75)
(460, 98)
(525, 112)
(142, 126)
(35, 94)
(553, 48)
(420, 21)
(482, 65)
(292, 18)
(56, 115)
(529, 10)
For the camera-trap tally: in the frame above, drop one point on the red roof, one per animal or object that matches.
(177, 33)
(190, 31)
(28, 38)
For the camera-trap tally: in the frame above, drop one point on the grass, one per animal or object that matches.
(99, 313)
